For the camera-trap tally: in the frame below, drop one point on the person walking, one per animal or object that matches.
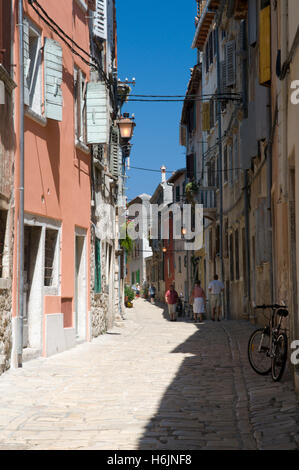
(198, 299)
(171, 298)
(152, 293)
(216, 287)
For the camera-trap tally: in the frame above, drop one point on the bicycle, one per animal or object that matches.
(268, 346)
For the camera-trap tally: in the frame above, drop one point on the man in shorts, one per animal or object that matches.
(171, 298)
(216, 287)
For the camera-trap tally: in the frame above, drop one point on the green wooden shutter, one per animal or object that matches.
(53, 80)
(97, 113)
(26, 60)
(98, 274)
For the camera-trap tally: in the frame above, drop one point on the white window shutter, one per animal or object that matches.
(230, 58)
(53, 79)
(97, 113)
(100, 19)
(26, 59)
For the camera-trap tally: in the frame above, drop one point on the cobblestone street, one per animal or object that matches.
(150, 384)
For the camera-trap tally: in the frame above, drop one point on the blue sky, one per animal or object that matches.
(154, 46)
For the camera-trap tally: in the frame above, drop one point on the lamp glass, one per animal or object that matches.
(126, 128)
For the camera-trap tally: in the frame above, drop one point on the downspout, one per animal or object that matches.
(21, 189)
(220, 164)
(247, 235)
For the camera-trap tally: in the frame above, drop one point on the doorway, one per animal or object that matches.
(80, 287)
(33, 288)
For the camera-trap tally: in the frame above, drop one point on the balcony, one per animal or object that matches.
(207, 197)
(207, 10)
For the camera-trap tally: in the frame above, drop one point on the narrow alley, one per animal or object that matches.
(149, 384)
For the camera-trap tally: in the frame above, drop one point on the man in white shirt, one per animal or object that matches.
(215, 289)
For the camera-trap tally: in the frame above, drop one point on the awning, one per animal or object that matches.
(205, 21)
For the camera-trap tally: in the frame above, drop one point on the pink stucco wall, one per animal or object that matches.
(57, 175)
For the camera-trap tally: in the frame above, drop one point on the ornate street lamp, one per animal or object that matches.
(126, 127)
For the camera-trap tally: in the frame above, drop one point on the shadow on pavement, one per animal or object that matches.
(202, 387)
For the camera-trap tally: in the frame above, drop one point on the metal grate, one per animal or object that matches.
(50, 245)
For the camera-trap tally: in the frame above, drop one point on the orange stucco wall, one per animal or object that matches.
(57, 175)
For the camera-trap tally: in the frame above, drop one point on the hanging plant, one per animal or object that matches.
(191, 190)
(126, 241)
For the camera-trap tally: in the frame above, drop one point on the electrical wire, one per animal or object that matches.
(51, 26)
(186, 96)
(173, 171)
(141, 100)
(60, 29)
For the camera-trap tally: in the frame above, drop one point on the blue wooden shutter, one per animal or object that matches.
(26, 59)
(97, 113)
(53, 80)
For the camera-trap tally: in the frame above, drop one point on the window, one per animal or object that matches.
(190, 166)
(230, 63)
(230, 165)
(217, 239)
(226, 238)
(211, 244)
(212, 114)
(32, 68)
(225, 164)
(180, 264)
(98, 274)
(177, 193)
(50, 250)
(236, 157)
(237, 255)
(231, 256)
(80, 105)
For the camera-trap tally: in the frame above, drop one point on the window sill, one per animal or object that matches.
(49, 290)
(81, 146)
(82, 4)
(41, 120)
(5, 283)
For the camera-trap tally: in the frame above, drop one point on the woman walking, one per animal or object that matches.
(198, 299)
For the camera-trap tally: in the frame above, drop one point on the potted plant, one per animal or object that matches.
(191, 190)
(129, 296)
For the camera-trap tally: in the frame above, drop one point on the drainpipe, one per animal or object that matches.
(220, 163)
(247, 237)
(21, 190)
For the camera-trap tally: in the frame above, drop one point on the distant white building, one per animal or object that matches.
(136, 261)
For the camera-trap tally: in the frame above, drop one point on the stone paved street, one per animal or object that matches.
(150, 384)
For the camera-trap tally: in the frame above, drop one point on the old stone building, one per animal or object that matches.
(283, 76)
(7, 149)
(227, 141)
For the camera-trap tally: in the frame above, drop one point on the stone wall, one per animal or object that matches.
(5, 329)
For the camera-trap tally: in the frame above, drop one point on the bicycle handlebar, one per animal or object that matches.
(274, 306)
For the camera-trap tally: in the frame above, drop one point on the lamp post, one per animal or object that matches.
(126, 129)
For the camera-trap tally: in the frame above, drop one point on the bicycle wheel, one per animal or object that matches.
(259, 351)
(279, 358)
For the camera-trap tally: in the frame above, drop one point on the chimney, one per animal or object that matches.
(163, 171)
